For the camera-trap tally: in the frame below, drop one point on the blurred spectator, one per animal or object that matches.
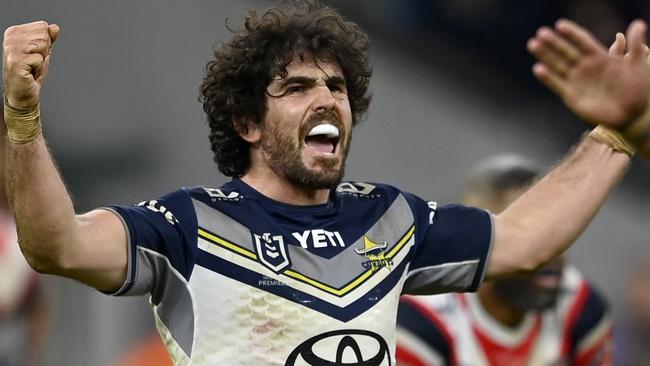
(633, 331)
(553, 317)
(23, 309)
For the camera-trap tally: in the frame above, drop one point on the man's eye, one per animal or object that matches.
(295, 89)
(337, 88)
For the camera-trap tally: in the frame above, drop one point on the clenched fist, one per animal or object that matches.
(25, 60)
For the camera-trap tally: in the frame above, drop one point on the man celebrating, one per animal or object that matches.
(550, 317)
(284, 265)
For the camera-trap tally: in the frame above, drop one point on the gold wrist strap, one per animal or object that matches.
(638, 130)
(614, 139)
(23, 125)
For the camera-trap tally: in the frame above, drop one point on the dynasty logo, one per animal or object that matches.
(376, 255)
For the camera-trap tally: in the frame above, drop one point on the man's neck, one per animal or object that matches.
(280, 189)
(499, 309)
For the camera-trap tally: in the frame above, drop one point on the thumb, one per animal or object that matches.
(617, 49)
(53, 30)
(41, 72)
(636, 40)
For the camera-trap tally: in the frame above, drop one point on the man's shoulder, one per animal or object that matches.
(585, 313)
(580, 305)
(575, 285)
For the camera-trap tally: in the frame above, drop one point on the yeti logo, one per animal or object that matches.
(350, 347)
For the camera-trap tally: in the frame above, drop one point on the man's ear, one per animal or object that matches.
(249, 131)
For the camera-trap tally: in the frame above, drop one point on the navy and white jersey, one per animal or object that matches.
(236, 278)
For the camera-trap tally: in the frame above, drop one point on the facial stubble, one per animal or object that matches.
(284, 158)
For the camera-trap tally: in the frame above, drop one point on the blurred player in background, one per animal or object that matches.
(551, 317)
(632, 330)
(23, 307)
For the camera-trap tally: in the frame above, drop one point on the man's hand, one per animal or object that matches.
(25, 61)
(600, 88)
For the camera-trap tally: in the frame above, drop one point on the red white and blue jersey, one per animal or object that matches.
(455, 329)
(236, 278)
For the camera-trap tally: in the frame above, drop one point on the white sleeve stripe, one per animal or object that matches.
(130, 257)
(445, 277)
(471, 262)
(488, 255)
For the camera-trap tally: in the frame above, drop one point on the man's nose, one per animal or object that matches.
(323, 100)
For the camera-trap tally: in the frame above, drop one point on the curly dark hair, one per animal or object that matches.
(234, 88)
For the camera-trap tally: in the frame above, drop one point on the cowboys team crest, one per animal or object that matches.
(375, 253)
(272, 251)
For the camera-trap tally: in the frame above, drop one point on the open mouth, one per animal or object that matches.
(323, 139)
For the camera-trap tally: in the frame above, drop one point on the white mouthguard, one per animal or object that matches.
(326, 129)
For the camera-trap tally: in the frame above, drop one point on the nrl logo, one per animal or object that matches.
(272, 251)
(376, 254)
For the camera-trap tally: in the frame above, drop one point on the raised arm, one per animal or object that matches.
(551, 215)
(90, 248)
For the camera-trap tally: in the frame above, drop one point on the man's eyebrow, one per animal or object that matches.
(297, 80)
(335, 80)
(306, 80)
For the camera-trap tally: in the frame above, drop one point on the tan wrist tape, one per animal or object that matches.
(614, 139)
(638, 130)
(23, 125)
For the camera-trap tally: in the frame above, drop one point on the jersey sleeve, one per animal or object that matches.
(451, 250)
(161, 237)
(591, 334)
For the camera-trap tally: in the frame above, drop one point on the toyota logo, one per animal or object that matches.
(349, 347)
